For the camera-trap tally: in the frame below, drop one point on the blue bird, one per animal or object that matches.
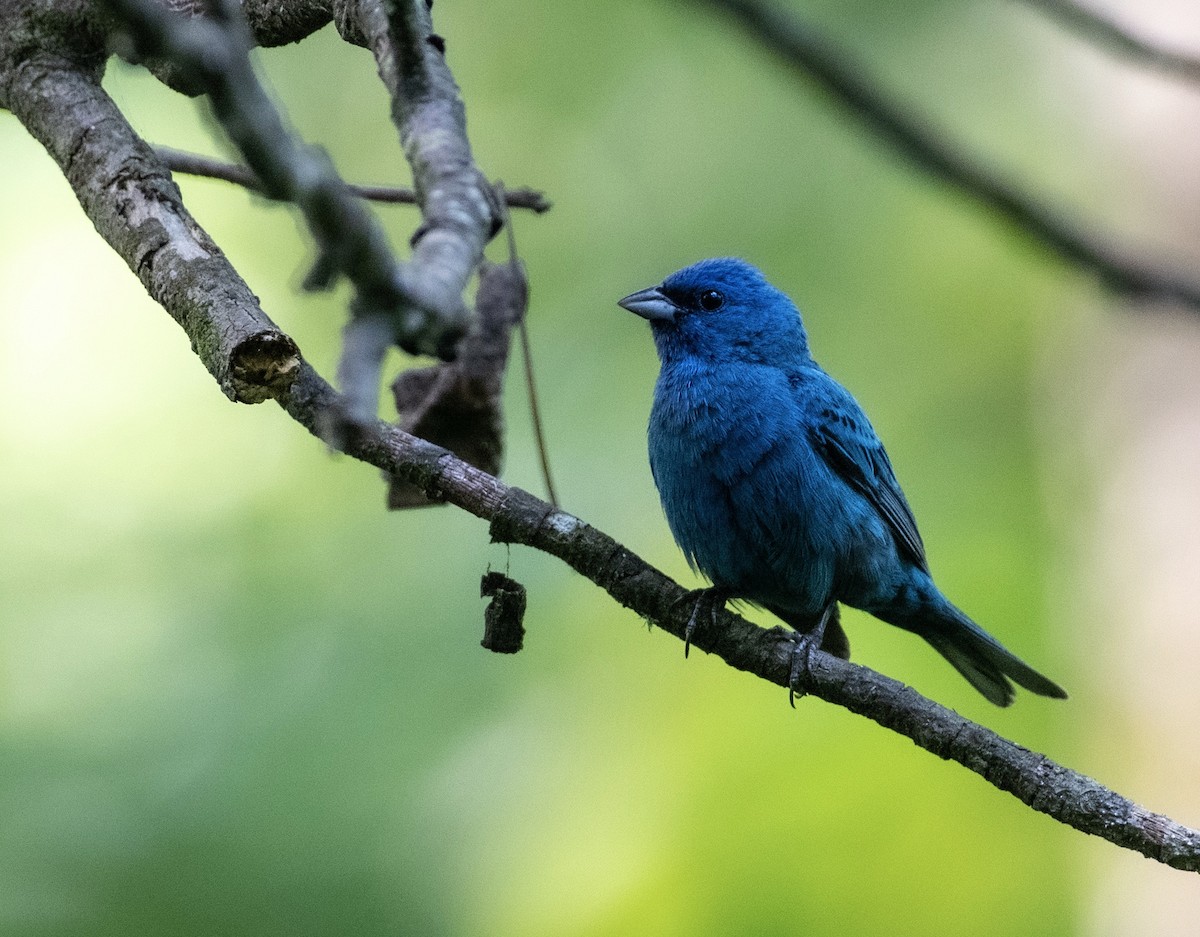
(775, 485)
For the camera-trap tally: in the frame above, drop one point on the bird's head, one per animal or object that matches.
(721, 309)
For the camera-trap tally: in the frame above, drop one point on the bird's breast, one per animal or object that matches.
(734, 472)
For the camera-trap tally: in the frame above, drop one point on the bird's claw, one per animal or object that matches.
(802, 655)
(801, 663)
(710, 600)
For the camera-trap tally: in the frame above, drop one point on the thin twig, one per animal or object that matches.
(194, 164)
(800, 47)
(1116, 39)
(535, 415)
(535, 412)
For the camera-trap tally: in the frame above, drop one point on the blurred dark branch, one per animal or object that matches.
(1113, 38)
(272, 22)
(194, 164)
(515, 516)
(808, 53)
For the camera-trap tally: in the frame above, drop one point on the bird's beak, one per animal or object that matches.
(650, 304)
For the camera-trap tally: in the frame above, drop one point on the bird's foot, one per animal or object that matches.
(705, 602)
(801, 664)
(802, 656)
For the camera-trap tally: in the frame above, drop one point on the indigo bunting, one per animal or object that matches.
(775, 485)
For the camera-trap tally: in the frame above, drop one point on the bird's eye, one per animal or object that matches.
(710, 300)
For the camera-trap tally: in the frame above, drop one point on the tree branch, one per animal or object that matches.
(518, 517)
(801, 48)
(459, 208)
(212, 52)
(124, 188)
(1113, 38)
(194, 164)
(129, 196)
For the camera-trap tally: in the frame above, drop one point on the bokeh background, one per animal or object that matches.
(237, 696)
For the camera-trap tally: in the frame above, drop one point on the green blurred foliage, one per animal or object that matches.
(239, 697)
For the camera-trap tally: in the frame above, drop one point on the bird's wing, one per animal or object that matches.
(846, 441)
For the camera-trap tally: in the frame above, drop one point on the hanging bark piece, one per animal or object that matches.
(458, 405)
(503, 631)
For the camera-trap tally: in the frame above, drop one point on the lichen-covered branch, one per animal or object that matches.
(213, 53)
(417, 305)
(130, 197)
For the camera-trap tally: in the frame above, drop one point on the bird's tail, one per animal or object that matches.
(986, 663)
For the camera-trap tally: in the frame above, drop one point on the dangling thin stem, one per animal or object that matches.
(531, 387)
